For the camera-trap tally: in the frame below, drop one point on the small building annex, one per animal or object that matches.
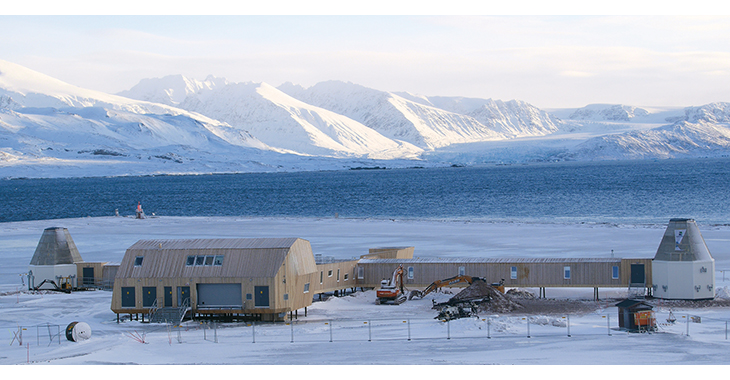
(260, 277)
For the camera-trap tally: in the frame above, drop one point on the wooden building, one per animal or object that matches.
(536, 272)
(263, 278)
(635, 315)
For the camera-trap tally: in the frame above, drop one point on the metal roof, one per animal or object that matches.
(56, 247)
(236, 243)
(478, 260)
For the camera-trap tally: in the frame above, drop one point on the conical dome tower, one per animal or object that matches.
(55, 257)
(683, 267)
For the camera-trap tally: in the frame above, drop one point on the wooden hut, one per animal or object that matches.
(635, 315)
(263, 278)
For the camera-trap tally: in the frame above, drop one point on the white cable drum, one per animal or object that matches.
(78, 331)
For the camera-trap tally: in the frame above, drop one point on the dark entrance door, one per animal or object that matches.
(168, 296)
(88, 274)
(261, 297)
(183, 293)
(637, 274)
(128, 296)
(149, 295)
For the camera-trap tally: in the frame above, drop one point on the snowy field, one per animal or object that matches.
(352, 330)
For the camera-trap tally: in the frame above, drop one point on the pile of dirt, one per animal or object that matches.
(487, 297)
(521, 294)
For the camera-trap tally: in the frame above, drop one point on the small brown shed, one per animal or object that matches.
(635, 315)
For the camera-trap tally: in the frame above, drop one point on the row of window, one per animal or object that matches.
(462, 272)
(330, 273)
(200, 260)
(192, 261)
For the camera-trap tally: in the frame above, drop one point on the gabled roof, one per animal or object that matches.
(56, 247)
(629, 304)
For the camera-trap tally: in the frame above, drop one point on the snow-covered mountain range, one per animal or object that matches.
(175, 124)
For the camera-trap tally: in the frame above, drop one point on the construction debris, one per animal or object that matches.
(477, 297)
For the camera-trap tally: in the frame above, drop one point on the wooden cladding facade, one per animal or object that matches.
(514, 272)
(283, 268)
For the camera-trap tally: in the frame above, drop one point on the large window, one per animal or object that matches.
(138, 261)
(347, 276)
(218, 261)
(199, 260)
(614, 274)
(513, 273)
(360, 273)
(190, 261)
(306, 288)
(566, 273)
(462, 271)
(410, 273)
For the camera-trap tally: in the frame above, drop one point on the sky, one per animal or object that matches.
(547, 57)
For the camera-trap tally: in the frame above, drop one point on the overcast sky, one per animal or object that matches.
(548, 61)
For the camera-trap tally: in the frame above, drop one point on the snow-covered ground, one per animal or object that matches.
(352, 329)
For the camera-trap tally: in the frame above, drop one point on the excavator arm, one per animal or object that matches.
(438, 284)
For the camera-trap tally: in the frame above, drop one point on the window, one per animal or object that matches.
(329, 273)
(321, 276)
(410, 273)
(360, 273)
(615, 272)
(347, 275)
(338, 275)
(462, 271)
(218, 261)
(138, 261)
(199, 260)
(513, 273)
(249, 296)
(190, 262)
(306, 288)
(566, 273)
(209, 261)
(286, 296)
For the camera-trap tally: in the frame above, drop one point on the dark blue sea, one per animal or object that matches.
(601, 192)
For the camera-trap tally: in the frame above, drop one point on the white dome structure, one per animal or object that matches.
(683, 267)
(54, 259)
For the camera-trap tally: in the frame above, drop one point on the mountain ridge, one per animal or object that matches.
(183, 125)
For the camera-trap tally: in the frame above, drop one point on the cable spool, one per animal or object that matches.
(78, 331)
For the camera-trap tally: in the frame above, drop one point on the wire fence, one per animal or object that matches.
(359, 330)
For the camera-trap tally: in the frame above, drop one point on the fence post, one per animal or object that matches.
(725, 330)
(489, 323)
(330, 330)
(568, 325)
(215, 332)
(687, 324)
(292, 331)
(528, 327)
(608, 324)
(409, 329)
(448, 329)
(253, 331)
(370, 331)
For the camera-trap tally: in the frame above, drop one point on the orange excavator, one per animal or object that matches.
(438, 284)
(392, 291)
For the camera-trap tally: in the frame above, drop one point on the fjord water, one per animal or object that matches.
(600, 192)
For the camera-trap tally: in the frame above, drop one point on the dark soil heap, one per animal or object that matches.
(488, 298)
